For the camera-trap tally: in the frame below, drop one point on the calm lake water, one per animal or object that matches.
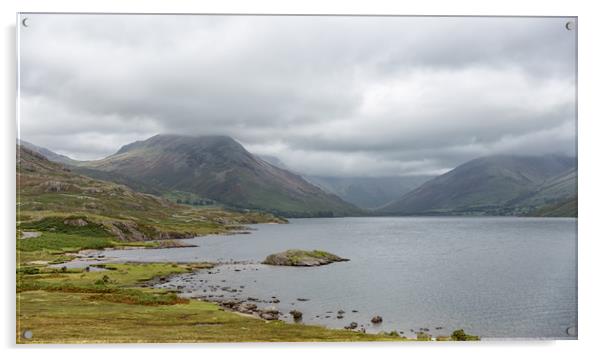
(494, 277)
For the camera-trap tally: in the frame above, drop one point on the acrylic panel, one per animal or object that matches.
(243, 178)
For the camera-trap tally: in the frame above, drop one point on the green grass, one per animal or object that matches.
(73, 307)
(60, 242)
(77, 318)
(57, 225)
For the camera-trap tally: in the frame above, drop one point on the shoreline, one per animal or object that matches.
(220, 300)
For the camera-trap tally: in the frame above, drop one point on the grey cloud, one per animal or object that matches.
(327, 95)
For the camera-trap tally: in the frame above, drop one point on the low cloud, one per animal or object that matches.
(341, 96)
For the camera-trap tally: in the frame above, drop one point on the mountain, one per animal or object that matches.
(50, 155)
(494, 185)
(220, 169)
(368, 192)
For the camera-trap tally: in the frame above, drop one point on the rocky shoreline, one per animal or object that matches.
(232, 298)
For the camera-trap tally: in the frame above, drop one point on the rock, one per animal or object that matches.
(339, 316)
(296, 314)
(376, 319)
(55, 186)
(270, 310)
(304, 258)
(268, 316)
(76, 222)
(302, 299)
(354, 311)
(269, 313)
(340, 312)
(351, 326)
(247, 307)
(230, 303)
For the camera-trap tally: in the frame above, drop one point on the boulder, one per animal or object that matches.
(296, 314)
(268, 317)
(351, 326)
(377, 319)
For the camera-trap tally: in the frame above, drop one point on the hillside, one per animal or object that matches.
(220, 169)
(495, 185)
(566, 208)
(48, 195)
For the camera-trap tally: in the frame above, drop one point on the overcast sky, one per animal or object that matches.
(339, 96)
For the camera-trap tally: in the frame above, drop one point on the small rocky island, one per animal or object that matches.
(302, 258)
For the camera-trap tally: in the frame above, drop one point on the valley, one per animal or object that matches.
(169, 191)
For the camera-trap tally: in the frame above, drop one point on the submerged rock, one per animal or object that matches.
(304, 258)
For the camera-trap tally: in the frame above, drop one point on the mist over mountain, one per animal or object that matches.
(364, 192)
(368, 192)
(494, 185)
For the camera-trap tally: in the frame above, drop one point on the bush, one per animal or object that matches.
(105, 280)
(460, 335)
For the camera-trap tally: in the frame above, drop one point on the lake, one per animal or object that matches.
(496, 277)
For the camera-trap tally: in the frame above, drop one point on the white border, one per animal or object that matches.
(590, 177)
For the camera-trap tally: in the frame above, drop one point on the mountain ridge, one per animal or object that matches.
(218, 168)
